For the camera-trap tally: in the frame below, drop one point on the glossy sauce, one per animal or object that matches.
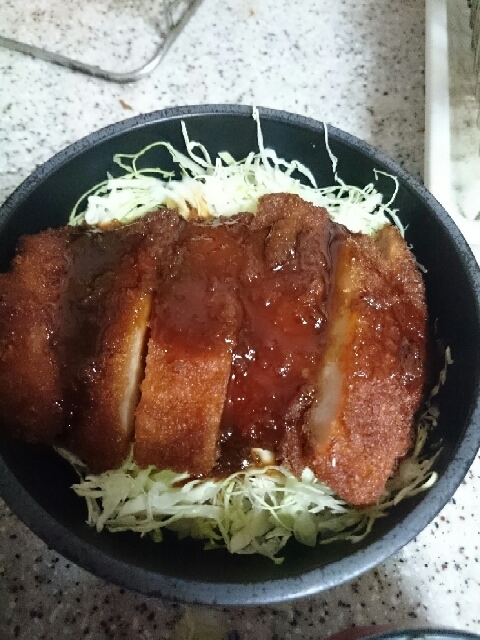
(197, 303)
(228, 285)
(102, 265)
(278, 349)
(101, 343)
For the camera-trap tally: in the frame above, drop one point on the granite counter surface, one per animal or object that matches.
(357, 64)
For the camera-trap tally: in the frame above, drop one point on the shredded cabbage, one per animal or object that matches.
(259, 509)
(225, 187)
(252, 511)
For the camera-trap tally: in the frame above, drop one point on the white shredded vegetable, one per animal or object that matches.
(259, 509)
(253, 511)
(225, 187)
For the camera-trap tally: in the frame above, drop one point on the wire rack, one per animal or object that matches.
(173, 16)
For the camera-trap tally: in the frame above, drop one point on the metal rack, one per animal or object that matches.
(174, 25)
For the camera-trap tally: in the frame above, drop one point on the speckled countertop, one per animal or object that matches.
(357, 64)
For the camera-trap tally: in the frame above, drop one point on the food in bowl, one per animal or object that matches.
(285, 353)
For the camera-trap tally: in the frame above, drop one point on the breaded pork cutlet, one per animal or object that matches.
(74, 313)
(194, 324)
(105, 330)
(371, 380)
(281, 331)
(31, 404)
(284, 289)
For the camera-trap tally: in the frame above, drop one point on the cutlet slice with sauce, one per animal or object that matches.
(105, 331)
(30, 377)
(281, 331)
(74, 313)
(284, 288)
(194, 324)
(371, 381)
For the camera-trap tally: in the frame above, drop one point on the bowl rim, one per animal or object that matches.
(154, 584)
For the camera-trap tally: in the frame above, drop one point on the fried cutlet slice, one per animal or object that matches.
(181, 406)
(194, 325)
(283, 288)
(105, 332)
(371, 380)
(30, 379)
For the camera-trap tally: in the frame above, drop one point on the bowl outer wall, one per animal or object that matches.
(181, 570)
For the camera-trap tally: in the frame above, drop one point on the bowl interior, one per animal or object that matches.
(35, 482)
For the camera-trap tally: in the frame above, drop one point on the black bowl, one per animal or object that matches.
(35, 481)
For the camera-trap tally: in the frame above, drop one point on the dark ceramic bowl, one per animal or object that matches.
(35, 481)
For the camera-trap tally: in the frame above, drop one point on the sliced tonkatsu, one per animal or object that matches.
(371, 380)
(31, 389)
(105, 331)
(195, 320)
(200, 343)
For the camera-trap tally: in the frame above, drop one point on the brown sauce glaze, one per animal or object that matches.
(194, 324)
(372, 379)
(103, 268)
(236, 338)
(284, 292)
(280, 331)
(104, 325)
